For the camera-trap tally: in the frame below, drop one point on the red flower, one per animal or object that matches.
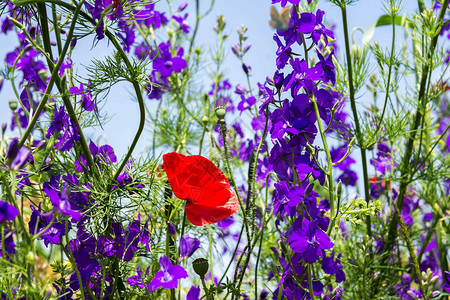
(116, 3)
(205, 188)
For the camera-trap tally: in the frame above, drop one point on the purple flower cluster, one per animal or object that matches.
(291, 98)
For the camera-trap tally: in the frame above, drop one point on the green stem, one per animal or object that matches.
(202, 279)
(359, 137)
(404, 178)
(311, 291)
(412, 251)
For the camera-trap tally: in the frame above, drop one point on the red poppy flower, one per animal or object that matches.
(205, 188)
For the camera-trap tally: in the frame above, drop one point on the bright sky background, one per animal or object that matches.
(254, 14)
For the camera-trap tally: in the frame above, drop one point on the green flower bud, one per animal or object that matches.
(220, 112)
(13, 105)
(200, 266)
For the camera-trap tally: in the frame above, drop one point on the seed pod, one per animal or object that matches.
(200, 266)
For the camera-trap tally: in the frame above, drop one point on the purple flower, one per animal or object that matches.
(68, 129)
(127, 36)
(60, 200)
(331, 266)
(283, 52)
(166, 64)
(168, 276)
(16, 158)
(246, 103)
(284, 2)
(310, 23)
(86, 97)
(194, 293)
(7, 211)
(150, 17)
(302, 76)
(10, 246)
(188, 245)
(39, 222)
(308, 240)
(97, 11)
(329, 74)
(137, 280)
(338, 153)
(446, 286)
(184, 26)
(103, 154)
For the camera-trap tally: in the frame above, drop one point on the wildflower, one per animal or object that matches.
(308, 240)
(7, 211)
(168, 276)
(188, 245)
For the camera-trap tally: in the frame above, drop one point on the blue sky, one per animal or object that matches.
(254, 14)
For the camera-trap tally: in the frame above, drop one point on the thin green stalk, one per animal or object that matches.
(223, 129)
(329, 163)
(412, 251)
(311, 291)
(359, 137)
(391, 59)
(202, 279)
(70, 257)
(262, 236)
(404, 178)
(211, 253)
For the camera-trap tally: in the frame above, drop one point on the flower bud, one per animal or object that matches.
(339, 190)
(13, 149)
(182, 6)
(435, 294)
(33, 31)
(73, 42)
(200, 266)
(13, 105)
(30, 258)
(220, 112)
(4, 126)
(246, 68)
(171, 229)
(283, 247)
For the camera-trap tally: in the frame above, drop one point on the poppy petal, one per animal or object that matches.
(207, 190)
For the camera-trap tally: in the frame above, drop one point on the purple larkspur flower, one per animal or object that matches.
(168, 276)
(188, 245)
(101, 155)
(284, 2)
(46, 225)
(446, 286)
(7, 211)
(246, 103)
(194, 293)
(167, 63)
(127, 36)
(67, 130)
(308, 240)
(331, 266)
(86, 97)
(182, 21)
(302, 76)
(17, 157)
(283, 52)
(148, 16)
(60, 200)
(10, 246)
(329, 74)
(310, 23)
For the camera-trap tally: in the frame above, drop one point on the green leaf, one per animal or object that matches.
(383, 21)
